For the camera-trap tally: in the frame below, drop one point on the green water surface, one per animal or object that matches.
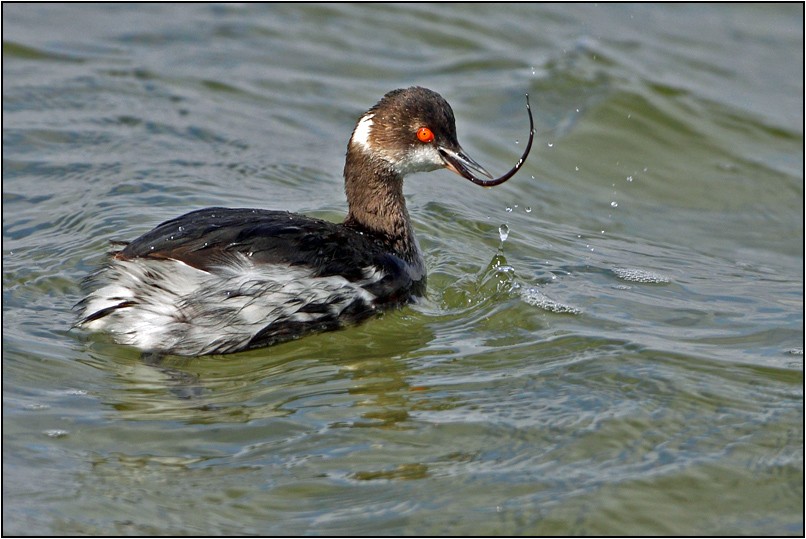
(629, 360)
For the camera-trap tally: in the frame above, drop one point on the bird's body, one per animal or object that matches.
(222, 280)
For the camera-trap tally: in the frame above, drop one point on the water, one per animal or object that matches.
(628, 368)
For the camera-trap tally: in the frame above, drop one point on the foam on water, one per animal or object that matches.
(636, 275)
(535, 297)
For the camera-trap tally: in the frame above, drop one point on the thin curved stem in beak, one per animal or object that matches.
(463, 165)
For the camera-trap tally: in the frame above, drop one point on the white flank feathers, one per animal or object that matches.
(166, 305)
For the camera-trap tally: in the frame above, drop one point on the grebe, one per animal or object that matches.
(222, 280)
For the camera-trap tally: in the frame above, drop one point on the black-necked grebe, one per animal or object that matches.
(221, 280)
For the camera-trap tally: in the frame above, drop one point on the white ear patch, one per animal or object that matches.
(361, 133)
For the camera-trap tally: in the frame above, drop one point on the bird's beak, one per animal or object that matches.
(459, 162)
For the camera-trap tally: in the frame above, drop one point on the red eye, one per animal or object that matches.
(425, 135)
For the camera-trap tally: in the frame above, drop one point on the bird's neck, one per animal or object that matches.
(376, 205)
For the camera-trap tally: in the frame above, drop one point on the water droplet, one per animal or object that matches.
(533, 70)
(503, 232)
(509, 208)
(614, 204)
(56, 433)
(629, 178)
(181, 228)
(550, 144)
(576, 169)
(528, 209)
